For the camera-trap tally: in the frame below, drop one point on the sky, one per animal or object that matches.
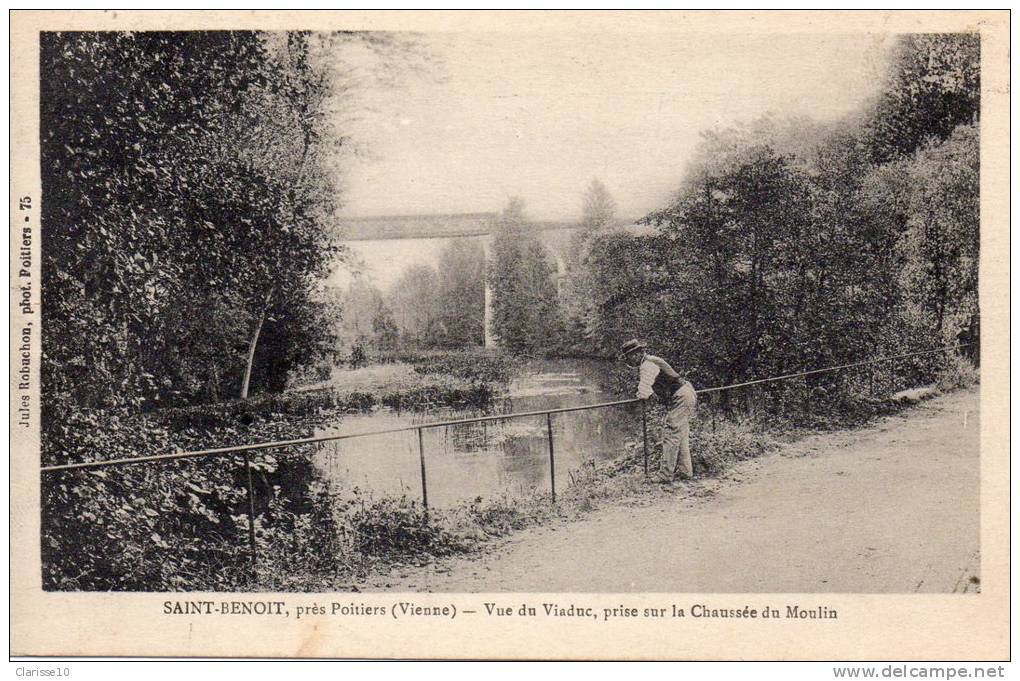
(540, 115)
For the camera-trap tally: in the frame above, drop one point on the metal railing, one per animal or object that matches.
(245, 450)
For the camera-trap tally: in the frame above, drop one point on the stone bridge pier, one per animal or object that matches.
(489, 338)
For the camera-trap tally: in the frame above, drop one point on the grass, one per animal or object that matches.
(417, 380)
(409, 370)
(313, 539)
(405, 536)
(380, 535)
(375, 378)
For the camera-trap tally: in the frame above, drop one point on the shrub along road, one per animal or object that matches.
(891, 508)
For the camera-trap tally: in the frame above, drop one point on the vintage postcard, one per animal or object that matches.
(545, 335)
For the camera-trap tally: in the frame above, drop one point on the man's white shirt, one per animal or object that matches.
(649, 372)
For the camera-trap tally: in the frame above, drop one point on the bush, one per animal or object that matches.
(477, 366)
(358, 358)
(305, 541)
(714, 451)
(956, 372)
(478, 395)
(498, 516)
(167, 525)
(399, 527)
(173, 528)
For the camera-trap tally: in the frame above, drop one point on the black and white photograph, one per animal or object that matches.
(345, 311)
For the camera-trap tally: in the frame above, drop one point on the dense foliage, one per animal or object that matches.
(933, 86)
(578, 293)
(189, 190)
(428, 307)
(186, 212)
(525, 306)
(789, 245)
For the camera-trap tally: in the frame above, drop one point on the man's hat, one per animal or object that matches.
(630, 346)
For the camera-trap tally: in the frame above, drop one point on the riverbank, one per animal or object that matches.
(892, 507)
(183, 525)
(414, 382)
(180, 524)
(419, 546)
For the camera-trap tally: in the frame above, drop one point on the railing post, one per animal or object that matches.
(251, 510)
(644, 431)
(552, 457)
(759, 405)
(421, 457)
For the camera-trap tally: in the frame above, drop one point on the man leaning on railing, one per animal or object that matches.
(657, 377)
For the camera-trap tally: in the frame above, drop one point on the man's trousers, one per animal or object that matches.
(676, 433)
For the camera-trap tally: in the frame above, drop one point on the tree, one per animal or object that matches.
(524, 314)
(599, 208)
(598, 213)
(740, 237)
(366, 318)
(539, 285)
(933, 86)
(124, 119)
(294, 150)
(775, 260)
(626, 293)
(386, 335)
(940, 246)
(190, 183)
(791, 243)
(461, 303)
(766, 262)
(414, 301)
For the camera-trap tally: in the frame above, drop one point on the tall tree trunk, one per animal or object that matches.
(253, 344)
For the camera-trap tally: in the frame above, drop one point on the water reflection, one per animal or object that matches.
(489, 458)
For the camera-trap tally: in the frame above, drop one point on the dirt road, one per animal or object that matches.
(892, 508)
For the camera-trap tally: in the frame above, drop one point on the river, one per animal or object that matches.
(495, 458)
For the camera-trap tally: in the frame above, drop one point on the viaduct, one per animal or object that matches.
(555, 235)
